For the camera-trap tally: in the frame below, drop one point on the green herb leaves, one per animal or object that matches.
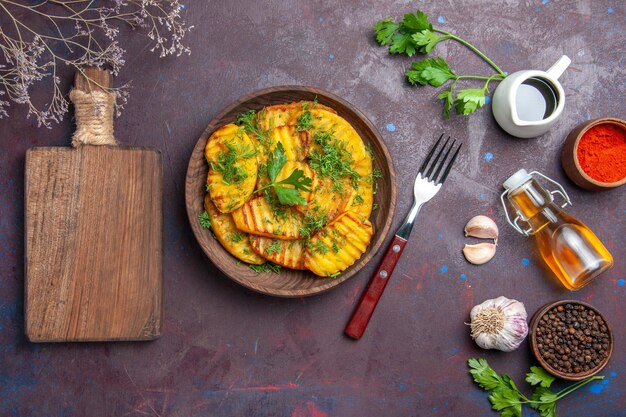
(538, 375)
(430, 71)
(266, 267)
(470, 100)
(507, 399)
(332, 160)
(205, 220)
(416, 34)
(229, 163)
(286, 195)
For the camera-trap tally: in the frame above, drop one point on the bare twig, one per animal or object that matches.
(37, 36)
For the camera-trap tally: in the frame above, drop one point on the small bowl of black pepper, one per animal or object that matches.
(571, 339)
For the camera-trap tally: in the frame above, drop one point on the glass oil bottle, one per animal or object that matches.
(569, 248)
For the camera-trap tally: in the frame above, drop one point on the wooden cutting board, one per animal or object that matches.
(94, 226)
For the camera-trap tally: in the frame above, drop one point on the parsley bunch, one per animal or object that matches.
(507, 399)
(416, 34)
(286, 195)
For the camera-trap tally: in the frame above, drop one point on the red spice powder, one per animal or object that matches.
(602, 152)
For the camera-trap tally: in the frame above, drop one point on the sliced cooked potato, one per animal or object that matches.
(257, 217)
(329, 122)
(232, 167)
(323, 200)
(234, 241)
(338, 245)
(362, 198)
(287, 114)
(287, 253)
(296, 143)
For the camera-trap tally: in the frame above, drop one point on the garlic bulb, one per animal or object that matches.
(499, 323)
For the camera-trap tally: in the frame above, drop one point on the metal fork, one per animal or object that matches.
(430, 177)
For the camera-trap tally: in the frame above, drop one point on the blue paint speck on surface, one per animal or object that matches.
(561, 18)
(440, 235)
(613, 374)
(525, 261)
(596, 388)
(487, 99)
(463, 277)
(183, 7)
(441, 19)
(488, 156)
(544, 2)
(620, 282)
(609, 10)
(390, 127)
(481, 196)
(434, 408)
(605, 382)
(506, 73)
(331, 56)
(444, 268)
(402, 387)
(321, 19)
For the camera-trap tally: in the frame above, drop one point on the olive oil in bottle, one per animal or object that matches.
(568, 247)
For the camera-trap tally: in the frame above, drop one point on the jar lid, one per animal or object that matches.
(517, 179)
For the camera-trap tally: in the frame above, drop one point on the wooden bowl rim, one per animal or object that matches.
(372, 249)
(564, 375)
(581, 171)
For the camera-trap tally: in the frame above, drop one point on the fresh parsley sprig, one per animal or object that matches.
(507, 399)
(414, 33)
(286, 195)
(205, 220)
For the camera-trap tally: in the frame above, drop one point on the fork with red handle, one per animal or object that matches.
(430, 177)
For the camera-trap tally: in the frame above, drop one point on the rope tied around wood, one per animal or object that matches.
(93, 112)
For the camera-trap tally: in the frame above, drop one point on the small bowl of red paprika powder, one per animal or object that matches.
(594, 154)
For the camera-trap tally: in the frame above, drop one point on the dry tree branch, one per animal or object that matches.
(34, 38)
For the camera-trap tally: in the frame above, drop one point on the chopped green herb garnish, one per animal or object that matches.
(335, 275)
(312, 224)
(374, 207)
(266, 267)
(333, 161)
(205, 220)
(305, 121)
(274, 247)
(228, 163)
(357, 200)
(236, 237)
(250, 122)
(320, 247)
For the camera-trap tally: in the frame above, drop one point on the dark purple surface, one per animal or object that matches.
(229, 352)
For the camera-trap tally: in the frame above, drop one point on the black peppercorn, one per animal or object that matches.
(572, 338)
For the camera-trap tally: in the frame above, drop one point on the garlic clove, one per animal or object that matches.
(480, 253)
(482, 227)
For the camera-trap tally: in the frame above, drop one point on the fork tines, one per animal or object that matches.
(432, 167)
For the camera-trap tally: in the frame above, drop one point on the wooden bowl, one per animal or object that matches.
(289, 283)
(534, 322)
(569, 156)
